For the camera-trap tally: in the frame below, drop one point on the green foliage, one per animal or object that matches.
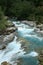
(23, 9)
(2, 21)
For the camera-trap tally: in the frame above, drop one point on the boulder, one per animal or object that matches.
(8, 31)
(40, 32)
(30, 23)
(2, 47)
(8, 37)
(10, 28)
(5, 39)
(5, 63)
(40, 26)
(40, 58)
(10, 25)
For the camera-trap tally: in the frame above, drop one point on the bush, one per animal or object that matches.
(2, 21)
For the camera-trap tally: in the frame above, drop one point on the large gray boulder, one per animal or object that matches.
(4, 40)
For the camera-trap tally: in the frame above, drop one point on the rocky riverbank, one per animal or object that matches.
(38, 28)
(10, 28)
(40, 58)
(30, 23)
(7, 35)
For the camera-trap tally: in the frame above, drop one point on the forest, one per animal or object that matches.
(31, 10)
(23, 9)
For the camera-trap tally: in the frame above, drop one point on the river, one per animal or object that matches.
(18, 53)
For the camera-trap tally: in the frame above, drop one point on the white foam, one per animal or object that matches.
(33, 54)
(11, 50)
(25, 30)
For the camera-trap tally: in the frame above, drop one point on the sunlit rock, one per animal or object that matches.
(8, 37)
(4, 40)
(5, 63)
(30, 23)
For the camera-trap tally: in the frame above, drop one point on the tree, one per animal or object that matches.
(2, 21)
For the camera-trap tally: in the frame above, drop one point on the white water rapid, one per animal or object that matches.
(13, 50)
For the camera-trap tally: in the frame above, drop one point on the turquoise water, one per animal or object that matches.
(23, 50)
(31, 36)
(35, 40)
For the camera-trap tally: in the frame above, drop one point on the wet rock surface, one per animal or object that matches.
(5, 39)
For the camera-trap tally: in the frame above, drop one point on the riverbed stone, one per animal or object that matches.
(5, 63)
(8, 37)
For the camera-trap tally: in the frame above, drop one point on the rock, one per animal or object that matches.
(10, 28)
(10, 25)
(36, 29)
(39, 26)
(8, 37)
(5, 39)
(40, 32)
(2, 47)
(5, 63)
(8, 31)
(40, 58)
(30, 23)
